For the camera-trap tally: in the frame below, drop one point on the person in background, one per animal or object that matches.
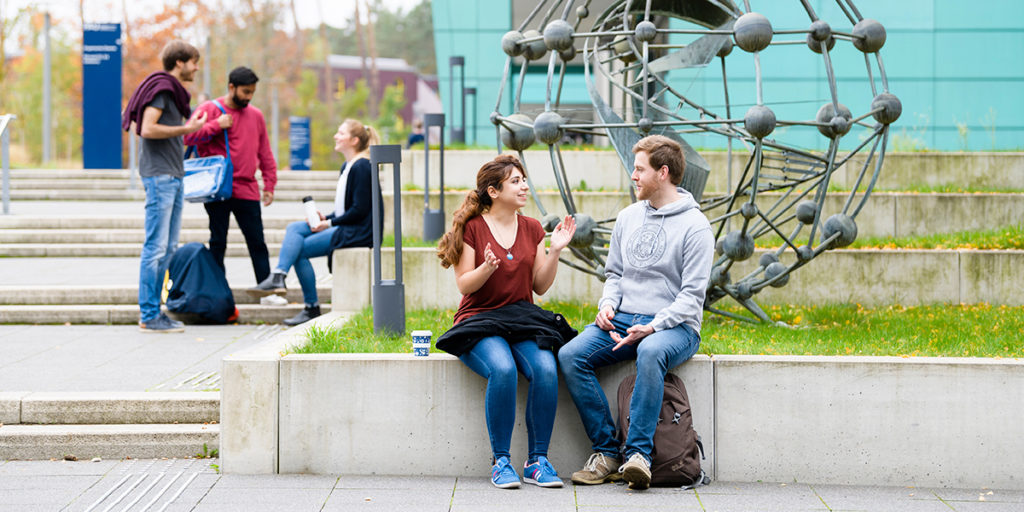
(157, 108)
(349, 225)
(500, 261)
(246, 130)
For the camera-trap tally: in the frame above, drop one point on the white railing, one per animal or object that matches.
(5, 160)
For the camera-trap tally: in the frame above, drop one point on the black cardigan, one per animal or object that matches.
(355, 224)
(515, 322)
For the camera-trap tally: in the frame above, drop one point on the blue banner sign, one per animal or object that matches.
(101, 96)
(298, 143)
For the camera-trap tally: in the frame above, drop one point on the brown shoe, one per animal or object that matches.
(599, 469)
(637, 471)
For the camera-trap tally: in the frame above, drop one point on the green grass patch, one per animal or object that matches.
(838, 329)
(1007, 237)
(407, 241)
(938, 189)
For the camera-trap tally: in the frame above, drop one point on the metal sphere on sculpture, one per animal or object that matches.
(842, 224)
(891, 108)
(829, 126)
(510, 43)
(515, 135)
(775, 269)
(558, 35)
(548, 127)
(651, 67)
(645, 31)
(738, 246)
(753, 32)
(868, 36)
(536, 49)
(806, 211)
(759, 121)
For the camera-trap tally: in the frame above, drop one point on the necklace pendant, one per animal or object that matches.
(508, 255)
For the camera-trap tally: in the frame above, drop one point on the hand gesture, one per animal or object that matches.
(633, 336)
(562, 234)
(224, 121)
(490, 260)
(604, 318)
(196, 123)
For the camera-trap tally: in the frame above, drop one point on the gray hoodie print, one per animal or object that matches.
(659, 262)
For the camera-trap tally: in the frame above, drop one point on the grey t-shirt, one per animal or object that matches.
(163, 156)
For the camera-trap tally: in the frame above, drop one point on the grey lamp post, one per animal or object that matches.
(388, 294)
(433, 220)
(459, 132)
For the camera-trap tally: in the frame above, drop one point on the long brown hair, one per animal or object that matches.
(478, 201)
(365, 134)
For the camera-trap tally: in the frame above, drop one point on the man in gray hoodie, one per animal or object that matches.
(658, 268)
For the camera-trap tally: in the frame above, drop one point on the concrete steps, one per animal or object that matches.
(108, 425)
(93, 250)
(118, 236)
(114, 294)
(34, 442)
(129, 313)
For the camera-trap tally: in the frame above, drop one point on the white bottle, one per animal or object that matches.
(312, 216)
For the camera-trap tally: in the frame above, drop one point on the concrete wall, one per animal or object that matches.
(602, 169)
(829, 420)
(430, 420)
(944, 422)
(869, 277)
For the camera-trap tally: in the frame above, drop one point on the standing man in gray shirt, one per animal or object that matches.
(157, 108)
(659, 263)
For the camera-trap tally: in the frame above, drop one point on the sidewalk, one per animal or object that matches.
(195, 485)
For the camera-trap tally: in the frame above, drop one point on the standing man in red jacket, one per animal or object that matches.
(250, 150)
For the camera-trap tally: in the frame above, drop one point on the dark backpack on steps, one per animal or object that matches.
(675, 460)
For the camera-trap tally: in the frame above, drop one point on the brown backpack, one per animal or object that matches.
(675, 460)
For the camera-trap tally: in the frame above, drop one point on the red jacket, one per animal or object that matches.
(250, 148)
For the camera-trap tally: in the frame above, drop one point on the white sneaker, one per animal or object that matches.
(273, 300)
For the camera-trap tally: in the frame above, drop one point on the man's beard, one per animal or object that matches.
(240, 103)
(187, 76)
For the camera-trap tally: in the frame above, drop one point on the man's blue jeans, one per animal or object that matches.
(655, 355)
(500, 362)
(164, 200)
(299, 245)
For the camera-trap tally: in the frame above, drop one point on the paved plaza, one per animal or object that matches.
(195, 485)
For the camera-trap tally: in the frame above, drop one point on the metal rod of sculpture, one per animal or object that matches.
(781, 190)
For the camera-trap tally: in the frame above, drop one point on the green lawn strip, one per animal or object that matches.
(1007, 237)
(839, 329)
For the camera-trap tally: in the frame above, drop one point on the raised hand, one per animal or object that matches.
(562, 234)
(490, 260)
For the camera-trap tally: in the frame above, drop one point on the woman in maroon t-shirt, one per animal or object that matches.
(499, 259)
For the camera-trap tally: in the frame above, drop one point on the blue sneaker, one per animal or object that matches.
(541, 473)
(503, 475)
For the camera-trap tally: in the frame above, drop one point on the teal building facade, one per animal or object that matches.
(957, 67)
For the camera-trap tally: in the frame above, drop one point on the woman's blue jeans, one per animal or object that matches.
(500, 362)
(164, 200)
(655, 355)
(299, 245)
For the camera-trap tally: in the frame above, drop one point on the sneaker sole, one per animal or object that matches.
(637, 478)
(161, 331)
(263, 293)
(510, 485)
(612, 477)
(544, 484)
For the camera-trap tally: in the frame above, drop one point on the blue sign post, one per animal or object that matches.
(101, 96)
(298, 144)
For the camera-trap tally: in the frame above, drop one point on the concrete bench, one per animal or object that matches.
(837, 420)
